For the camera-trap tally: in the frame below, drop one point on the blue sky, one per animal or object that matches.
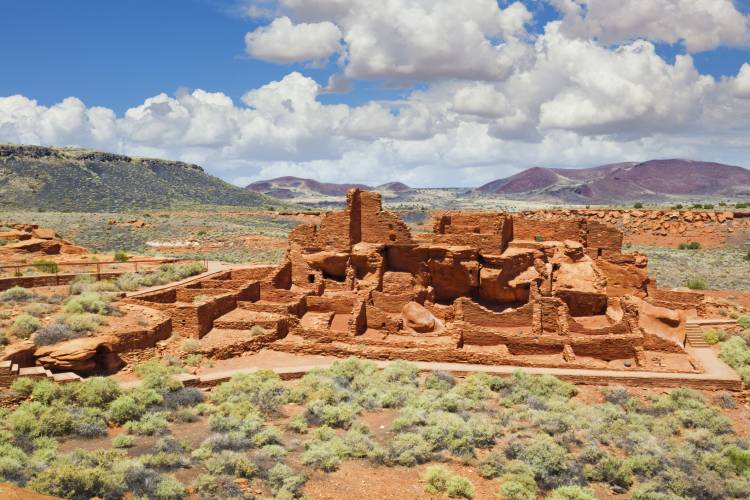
(443, 93)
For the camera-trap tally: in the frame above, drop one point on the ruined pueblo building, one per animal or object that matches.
(484, 287)
(489, 288)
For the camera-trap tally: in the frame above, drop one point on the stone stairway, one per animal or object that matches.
(695, 328)
(10, 371)
(694, 336)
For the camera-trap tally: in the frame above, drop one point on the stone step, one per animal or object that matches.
(244, 319)
(65, 377)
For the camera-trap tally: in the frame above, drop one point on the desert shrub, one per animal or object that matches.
(617, 395)
(82, 323)
(71, 480)
(24, 325)
(547, 459)
(23, 385)
(164, 460)
(269, 435)
(438, 479)
(89, 422)
(80, 284)
(693, 245)
(711, 337)
(209, 486)
(169, 488)
(201, 299)
(231, 463)
(725, 400)
(167, 273)
(696, 284)
(522, 387)
(158, 376)
(407, 449)
(341, 415)
(571, 493)
(17, 294)
(284, 480)
(257, 330)
(87, 302)
(97, 392)
(735, 352)
(439, 380)
(492, 465)
(120, 256)
(638, 205)
(3, 338)
(54, 333)
(233, 440)
(263, 389)
(37, 309)
(448, 431)
(744, 321)
(132, 405)
(190, 346)
(297, 424)
(150, 424)
(611, 470)
(46, 266)
(123, 441)
(325, 451)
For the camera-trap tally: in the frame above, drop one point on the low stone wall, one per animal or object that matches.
(51, 279)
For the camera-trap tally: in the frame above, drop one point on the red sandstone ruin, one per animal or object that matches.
(484, 287)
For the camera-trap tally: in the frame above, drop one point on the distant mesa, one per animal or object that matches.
(290, 187)
(623, 182)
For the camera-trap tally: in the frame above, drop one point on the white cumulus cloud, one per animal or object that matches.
(285, 42)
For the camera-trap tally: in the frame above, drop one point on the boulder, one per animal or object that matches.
(43, 233)
(418, 318)
(74, 355)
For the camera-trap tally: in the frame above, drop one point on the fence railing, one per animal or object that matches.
(93, 268)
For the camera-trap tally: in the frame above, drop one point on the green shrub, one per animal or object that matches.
(744, 321)
(190, 346)
(571, 493)
(16, 294)
(97, 392)
(232, 463)
(150, 424)
(23, 385)
(120, 256)
(712, 337)
(407, 449)
(37, 309)
(132, 405)
(611, 470)
(518, 486)
(158, 376)
(438, 479)
(46, 266)
(3, 338)
(24, 325)
(123, 441)
(696, 284)
(547, 459)
(297, 424)
(693, 245)
(169, 488)
(82, 323)
(87, 302)
(54, 333)
(735, 352)
(283, 480)
(538, 238)
(638, 205)
(263, 389)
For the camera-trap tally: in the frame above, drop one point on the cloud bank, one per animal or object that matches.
(588, 88)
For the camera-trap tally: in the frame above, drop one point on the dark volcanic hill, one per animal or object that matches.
(625, 182)
(296, 187)
(33, 177)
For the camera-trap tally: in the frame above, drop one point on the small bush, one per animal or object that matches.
(37, 309)
(87, 302)
(82, 323)
(24, 325)
(438, 479)
(283, 480)
(712, 337)
(54, 333)
(23, 386)
(538, 238)
(190, 346)
(169, 488)
(297, 424)
(693, 245)
(696, 284)
(725, 400)
(638, 205)
(46, 266)
(16, 294)
(232, 463)
(120, 256)
(123, 441)
(149, 425)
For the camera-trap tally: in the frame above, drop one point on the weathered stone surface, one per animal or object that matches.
(418, 318)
